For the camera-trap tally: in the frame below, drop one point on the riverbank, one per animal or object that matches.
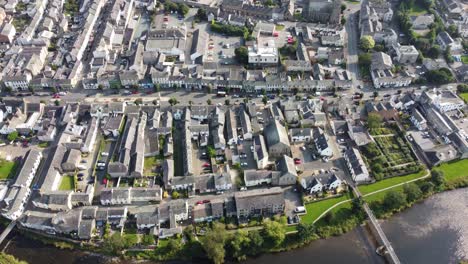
(339, 220)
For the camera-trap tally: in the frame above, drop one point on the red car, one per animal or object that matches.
(206, 201)
(104, 181)
(297, 161)
(206, 165)
(149, 92)
(199, 202)
(56, 96)
(134, 92)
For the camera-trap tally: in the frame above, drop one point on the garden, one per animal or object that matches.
(390, 156)
(67, 183)
(315, 209)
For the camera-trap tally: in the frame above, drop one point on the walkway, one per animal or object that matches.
(7, 231)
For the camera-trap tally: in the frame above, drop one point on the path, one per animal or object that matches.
(7, 231)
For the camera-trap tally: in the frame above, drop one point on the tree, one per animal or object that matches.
(357, 207)
(157, 88)
(114, 244)
(227, 102)
(175, 195)
(343, 8)
(9, 259)
(147, 240)
(274, 233)
(57, 102)
(239, 245)
(265, 99)
(138, 101)
(343, 20)
(412, 192)
(364, 59)
(453, 31)
(256, 243)
(173, 101)
(209, 88)
(213, 243)
(208, 101)
(433, 52)
(427, 187)
(437, 177)
(211, 151)
(242, 54)
(367, 43)
(330, 217)
(12, 136)
(448, 55)
(305, 231)
(394, 200)
(374, 120)
(440, 76)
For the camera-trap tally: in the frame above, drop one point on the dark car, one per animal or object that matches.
(80, 174)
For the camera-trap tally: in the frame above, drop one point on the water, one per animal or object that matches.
(432, 232)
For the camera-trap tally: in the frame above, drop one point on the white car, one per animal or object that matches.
(252, 148)
(104, 154)
(244, 164)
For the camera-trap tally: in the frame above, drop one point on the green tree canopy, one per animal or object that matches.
(374, 120)
(213, 243)
(242, 54)
(394, 200)
(274, 233)
(412, 192)
(437, 177)
(13, 136)
(367, 43)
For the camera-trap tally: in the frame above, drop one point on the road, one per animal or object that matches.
(352, 50)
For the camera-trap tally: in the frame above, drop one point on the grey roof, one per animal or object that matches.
(256, 175)
(27, 167)
(258, 199)
(168, 171)
(275, 133)
(286, 165)
(85, 229)
(260, 146)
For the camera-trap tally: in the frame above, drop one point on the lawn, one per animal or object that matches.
(464, 59)
(454, 170)
(279, 27)
(464, 96)
(417, 10)
(7, 169)
(67, 183)
(314, 210)
(365, 189)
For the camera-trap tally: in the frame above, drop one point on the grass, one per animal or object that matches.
(464, 96)
(150, 164)
(464, 59)
(43, 144)
(67, 183)
(417, 10)
(365, 189)
(314, 210)
(7, 169)
(279, 27)
(454, 170)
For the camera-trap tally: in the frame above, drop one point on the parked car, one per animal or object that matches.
(206, 165)
(206, 201)
(104, 154)
(252, 149)
(104, 181)
(297, 161)
(244, 164)
(199, 202)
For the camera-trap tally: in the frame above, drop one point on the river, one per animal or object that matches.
(433, 231)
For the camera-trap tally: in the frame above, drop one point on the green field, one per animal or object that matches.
(464, 59)
(365, 189)
(7, 169)
(464, 96)
(67, 183)
(314, 210)
(454, 170)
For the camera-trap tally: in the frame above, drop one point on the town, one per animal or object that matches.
(150, 118)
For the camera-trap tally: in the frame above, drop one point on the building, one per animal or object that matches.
(422, 22)
(443, 100)
(322, 11)
(356, 166)
(319, 183)
(300, 134)
(446, 41)
(277, 139)
(406, 54)
(288, 171)
(382, 75)
(260, 151)
(321, 143)
(418, 120)
(263, 53)
(260, 202)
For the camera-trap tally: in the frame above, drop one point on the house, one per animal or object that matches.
(259, 177)
(115, 196)
(443, 100)
(356, 166)
(422, 22)
(320, 183)
(145, 220)
(245, 124)
(168, 172)
(259, 202)
(288, 171)
(260, 151)
(54, 201)
(231, 127)
(321, 143)
(71, 160)
(418, 120)
(406, 54)
(300, 134)
(446, 41)
(277, 139)
(382, 75)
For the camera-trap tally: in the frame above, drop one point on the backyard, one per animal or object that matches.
(7, 169)
(464, 96)
(67, 183)
(150, 166)
(417, 10)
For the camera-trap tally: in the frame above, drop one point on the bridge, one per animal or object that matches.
(378, 231)
(7, 231)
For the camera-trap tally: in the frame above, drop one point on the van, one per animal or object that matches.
(300, 209)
